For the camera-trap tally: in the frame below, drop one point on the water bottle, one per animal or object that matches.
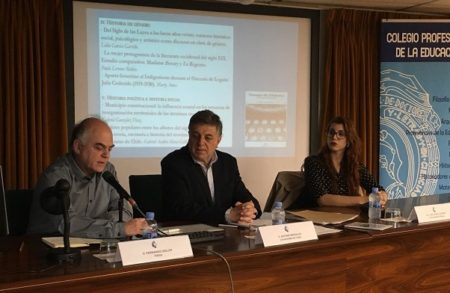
(374, 204)
(152, 230)
(278, 214)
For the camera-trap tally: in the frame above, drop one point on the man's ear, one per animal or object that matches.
(76, 146)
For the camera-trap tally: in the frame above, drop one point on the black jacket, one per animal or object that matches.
(186, 193)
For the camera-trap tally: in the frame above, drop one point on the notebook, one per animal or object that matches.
(58, 241)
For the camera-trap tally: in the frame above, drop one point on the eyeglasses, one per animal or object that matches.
(340, 134)
(103, 148)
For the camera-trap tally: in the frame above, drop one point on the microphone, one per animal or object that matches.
(109, 177)
(53, 199)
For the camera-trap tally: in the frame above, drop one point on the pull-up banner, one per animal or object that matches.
(415, 107)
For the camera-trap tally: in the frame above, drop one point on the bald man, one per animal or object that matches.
(93, 208)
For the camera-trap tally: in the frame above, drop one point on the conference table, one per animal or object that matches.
(409, 258)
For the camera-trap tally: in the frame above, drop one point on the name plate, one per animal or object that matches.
(152, 250)
(433, 213)
(286, 233)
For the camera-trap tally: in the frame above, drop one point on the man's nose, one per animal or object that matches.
(106, 153)
(201, 140)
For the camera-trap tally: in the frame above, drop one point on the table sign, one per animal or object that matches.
(432, 213)
(151, 250)
(285, 233)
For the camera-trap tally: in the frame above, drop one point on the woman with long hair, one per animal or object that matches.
(335, 176)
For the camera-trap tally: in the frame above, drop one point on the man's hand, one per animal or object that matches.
(243, 213)
(135, 226)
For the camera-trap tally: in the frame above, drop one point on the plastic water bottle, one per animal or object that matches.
(152, 230)
(278, 214)
(374, 204)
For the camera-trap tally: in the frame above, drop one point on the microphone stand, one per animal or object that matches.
(65, 254)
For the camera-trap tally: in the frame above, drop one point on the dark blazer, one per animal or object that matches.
(186, 194)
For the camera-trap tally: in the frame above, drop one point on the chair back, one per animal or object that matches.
(18, 204)
(147, 192)
(286, 188)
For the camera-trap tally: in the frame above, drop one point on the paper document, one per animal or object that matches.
(324, 218)
(57, 242)
(320, 230)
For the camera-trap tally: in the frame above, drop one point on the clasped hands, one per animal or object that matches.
(243, 213)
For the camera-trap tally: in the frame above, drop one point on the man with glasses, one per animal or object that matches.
(336, 176)
(93, 210)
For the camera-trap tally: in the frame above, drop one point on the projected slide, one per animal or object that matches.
(147, 71)
(171, 68)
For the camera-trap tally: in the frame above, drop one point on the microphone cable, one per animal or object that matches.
(224, 260)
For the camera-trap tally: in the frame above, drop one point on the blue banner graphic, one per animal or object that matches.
(415, 108)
